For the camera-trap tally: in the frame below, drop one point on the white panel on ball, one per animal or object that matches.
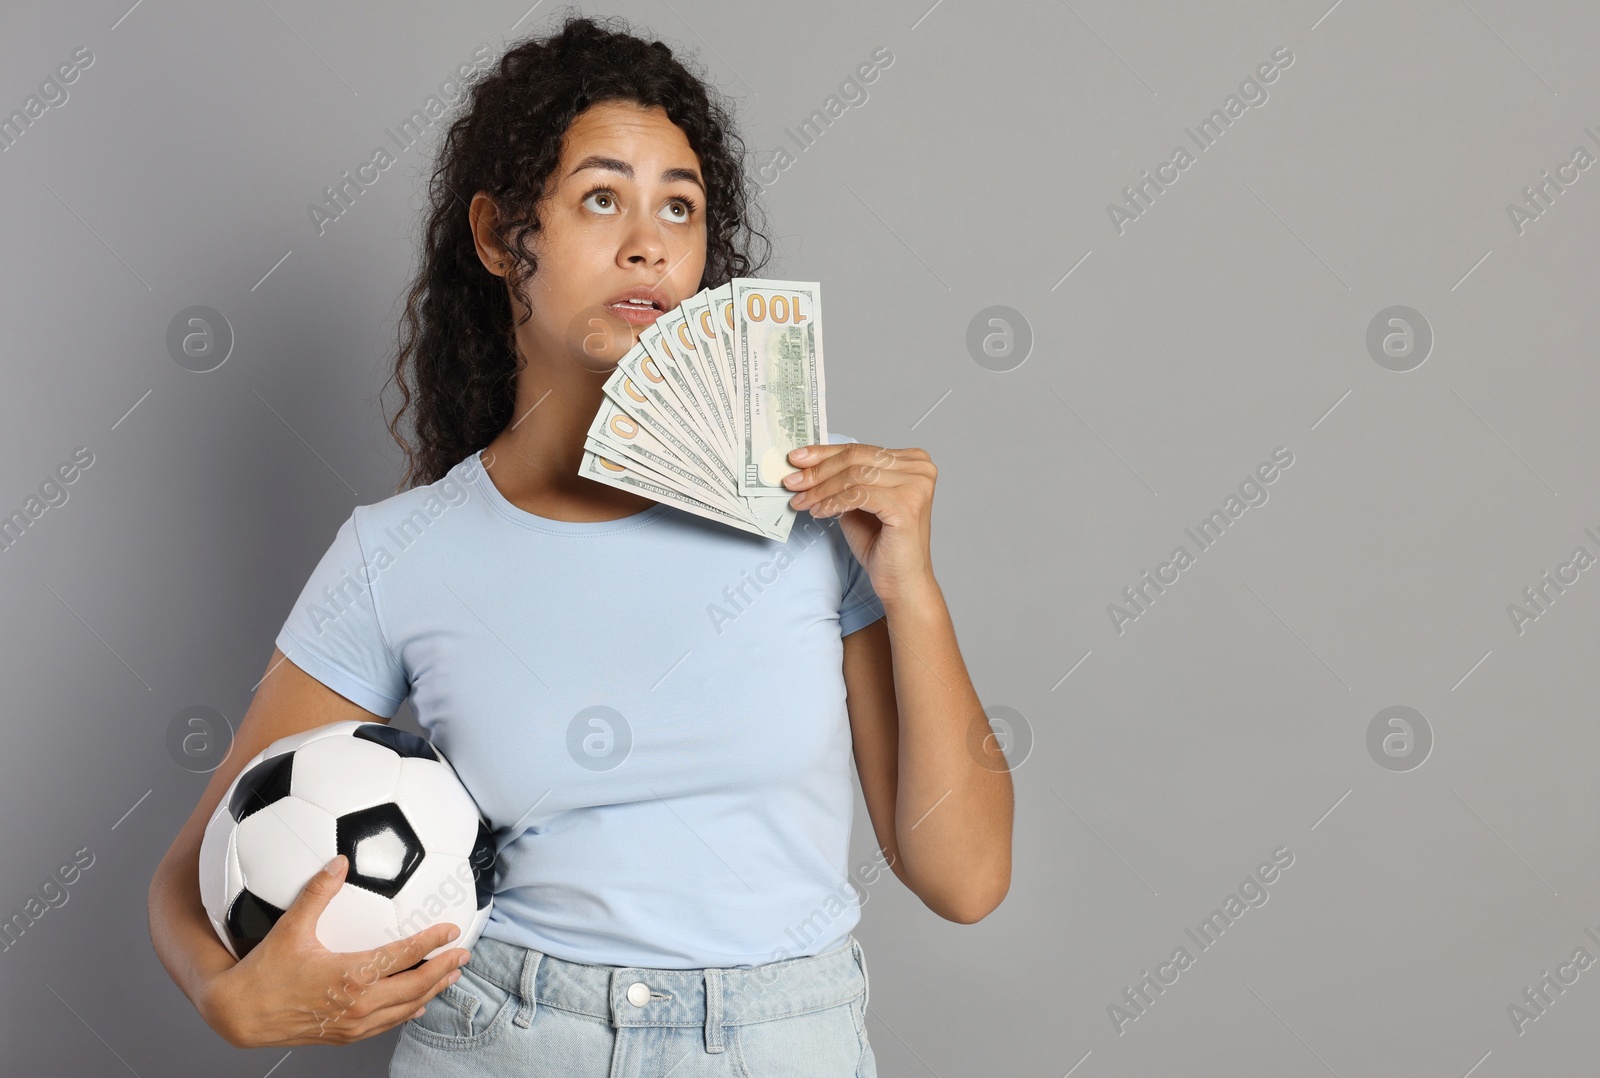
(214, 886)
(357, 920)
(440, 890)
(282, 846)
(446, 819)
(343, 774)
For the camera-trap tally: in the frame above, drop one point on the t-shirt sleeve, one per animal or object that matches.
(334, 634)
(860, 605)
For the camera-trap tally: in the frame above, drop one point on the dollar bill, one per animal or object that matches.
(616, 474)
(704, 410)
(690, 384)
(694, 348)
(619, 436)
(777, 340)
(649, 400)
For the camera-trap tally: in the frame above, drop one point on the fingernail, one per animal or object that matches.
(800, 454)
(332, 867)
(454, 977)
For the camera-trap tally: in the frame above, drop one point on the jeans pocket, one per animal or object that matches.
(866, 1062)
(468, 1014)
(815, 1044)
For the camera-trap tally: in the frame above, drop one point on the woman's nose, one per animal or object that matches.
(645, 245)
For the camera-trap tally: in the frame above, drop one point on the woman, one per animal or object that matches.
(677, 899)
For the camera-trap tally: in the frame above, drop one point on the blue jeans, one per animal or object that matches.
(517, 1011)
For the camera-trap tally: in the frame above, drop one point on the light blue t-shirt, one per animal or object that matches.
(650, 711)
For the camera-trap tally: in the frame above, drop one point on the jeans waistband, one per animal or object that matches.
(713, 997)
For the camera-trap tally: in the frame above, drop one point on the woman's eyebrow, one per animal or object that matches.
(611, 164)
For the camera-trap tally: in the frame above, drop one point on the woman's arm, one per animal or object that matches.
(941, 814)
(935, 783)
(288, 701)
(267, 1008)
(182, 934)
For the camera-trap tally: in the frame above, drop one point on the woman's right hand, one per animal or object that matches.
(291, 990)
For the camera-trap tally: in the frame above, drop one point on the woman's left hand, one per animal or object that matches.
(884, 501)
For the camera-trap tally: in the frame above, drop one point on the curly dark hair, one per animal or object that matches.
(457, 361)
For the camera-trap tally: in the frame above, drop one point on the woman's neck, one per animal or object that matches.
(534, 461)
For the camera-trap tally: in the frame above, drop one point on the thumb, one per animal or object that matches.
(316, 894)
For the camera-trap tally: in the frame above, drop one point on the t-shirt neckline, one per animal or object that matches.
(477, 474)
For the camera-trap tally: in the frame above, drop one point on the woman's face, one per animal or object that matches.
(624, 212)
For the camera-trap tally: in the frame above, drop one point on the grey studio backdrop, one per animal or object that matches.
(1317, 797)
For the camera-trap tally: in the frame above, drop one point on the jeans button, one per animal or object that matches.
(638, 993)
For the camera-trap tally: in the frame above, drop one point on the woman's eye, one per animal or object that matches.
(607, 201)
(679, 209)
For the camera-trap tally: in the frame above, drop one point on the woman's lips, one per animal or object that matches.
(634, 314)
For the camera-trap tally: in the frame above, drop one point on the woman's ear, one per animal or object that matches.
(484, 217)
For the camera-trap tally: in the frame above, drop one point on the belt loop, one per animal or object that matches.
(528, 987)
(713, 1010)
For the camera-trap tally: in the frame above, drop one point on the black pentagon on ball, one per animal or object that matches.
(357, 827)
(260, 786)
(249, 919)
(403, 742)
(484, 860)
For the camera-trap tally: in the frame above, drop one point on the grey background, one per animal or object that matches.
(1229, 720)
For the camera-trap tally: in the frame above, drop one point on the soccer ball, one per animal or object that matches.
(419, 850)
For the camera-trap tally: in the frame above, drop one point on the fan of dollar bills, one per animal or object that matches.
(704, 410)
